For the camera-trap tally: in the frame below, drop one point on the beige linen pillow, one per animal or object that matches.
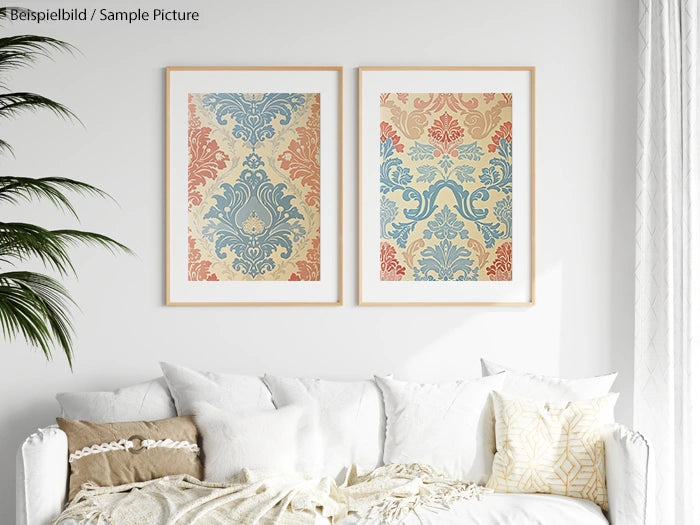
(111, 454)
(551, 448)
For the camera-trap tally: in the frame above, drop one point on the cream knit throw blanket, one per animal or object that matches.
(387, 495)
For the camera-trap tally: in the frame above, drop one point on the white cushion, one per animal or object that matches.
(146, 401)
(546, 388)
(508, 509)
(42, 477)
(260, 440)
(629, 476)
(349, 417)
(449, 426)
(227, 391)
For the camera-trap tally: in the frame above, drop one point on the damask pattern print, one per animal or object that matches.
(446, 203)
(254, 186)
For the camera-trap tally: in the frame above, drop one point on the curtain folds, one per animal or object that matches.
(667, 295)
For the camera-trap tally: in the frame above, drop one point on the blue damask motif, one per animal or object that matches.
(470, 151)
(395, 177)
(464, 173)
(253, 219)
(388, 211)
(253, 113)
(428, 172)
(446, 163)
(446, 262)
(421, 151)
(392, 174)
(465, 204)
(499, 174)
(504, 213)
(445, 226)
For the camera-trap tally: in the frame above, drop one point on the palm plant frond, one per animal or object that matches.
(33, 305)
(13, 103)
(78, 237)
(36, 307)
(14, 189)
(5, 146)
(24, 50)
(21, 241)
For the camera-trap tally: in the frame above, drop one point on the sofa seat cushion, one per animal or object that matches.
(510, 509)
(499, 509)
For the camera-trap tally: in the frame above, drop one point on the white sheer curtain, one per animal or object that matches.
(667, 301)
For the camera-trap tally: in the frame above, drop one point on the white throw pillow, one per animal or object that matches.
(147, 401)
(228, 391)
(260, 440)
(545, 388)
(449, 426)
(349, 417)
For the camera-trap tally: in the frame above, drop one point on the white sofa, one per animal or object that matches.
(42, 478)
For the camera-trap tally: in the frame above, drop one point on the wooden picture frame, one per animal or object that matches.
(446, 192)
(254, 185)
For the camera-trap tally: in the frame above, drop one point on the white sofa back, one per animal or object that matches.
(349, 416)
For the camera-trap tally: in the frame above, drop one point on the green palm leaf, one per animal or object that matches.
(15, 189)
(23, 50)
(5, 146)
(13, 103)
(35, 306)
(20, 242)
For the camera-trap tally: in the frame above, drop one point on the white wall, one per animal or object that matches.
(585, 54)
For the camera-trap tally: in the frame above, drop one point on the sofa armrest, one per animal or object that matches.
(42, 476)
(628, 476)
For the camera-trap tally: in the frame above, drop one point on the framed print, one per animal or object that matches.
(446, 191)
(253, 192)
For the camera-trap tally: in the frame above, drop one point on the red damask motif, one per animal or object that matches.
(403, 97)
(310, 269)
(501, 269)
(390, 269)
(387, 132)
(504, 132)
(197, 270)
(488, 97)
(205, 157)
(445, 134)
(302, 157)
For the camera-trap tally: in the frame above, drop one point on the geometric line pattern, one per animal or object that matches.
(667, 283)
(551, 448)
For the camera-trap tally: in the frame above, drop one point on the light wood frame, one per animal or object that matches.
(339, 71)
(531, 70)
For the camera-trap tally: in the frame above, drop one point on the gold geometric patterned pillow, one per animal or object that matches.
(551, 448)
